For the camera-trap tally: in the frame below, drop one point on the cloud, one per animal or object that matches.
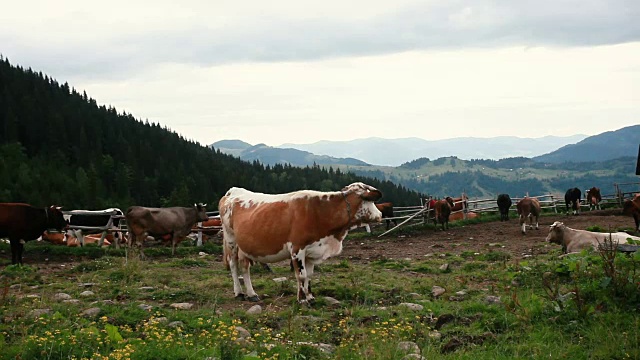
(83, 41)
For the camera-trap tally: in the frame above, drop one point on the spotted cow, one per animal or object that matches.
(305, 226)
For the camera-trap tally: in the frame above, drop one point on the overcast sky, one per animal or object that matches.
(302, 71)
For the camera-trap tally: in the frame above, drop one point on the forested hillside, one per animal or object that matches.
(515, 176)
(58, 146)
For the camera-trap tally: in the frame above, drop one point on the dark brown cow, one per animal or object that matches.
(632, 207)
(504, 204)
(528, 208)
(594, 198)
(387, 212)
(442, 212)
(305, 226)
(173, 223)
(23, 222)
(573, 196)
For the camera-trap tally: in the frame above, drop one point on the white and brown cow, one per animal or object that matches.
(528, 207)
(305, 226)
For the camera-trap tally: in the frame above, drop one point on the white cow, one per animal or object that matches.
(574, 241)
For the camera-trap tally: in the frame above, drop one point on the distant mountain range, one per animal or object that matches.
(273, 155)
(394, 152)
(606, 146)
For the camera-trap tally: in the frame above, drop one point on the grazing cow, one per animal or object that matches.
(574, 241)
(573, 196)
(594, 198)
(528, 208)
(387, 212)
(442, 212)
(504, 204)
(23, 222)
(95, 218)
(173, 223)
(305, 226)
(632, 207)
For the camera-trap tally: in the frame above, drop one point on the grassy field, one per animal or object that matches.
(495, 307)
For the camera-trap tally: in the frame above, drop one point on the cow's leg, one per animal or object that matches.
(302, 275)
(246, 278)
(523, 224)
(231, 253)
(14, 251)
(636, 219)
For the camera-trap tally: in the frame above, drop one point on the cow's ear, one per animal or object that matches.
(372, 195)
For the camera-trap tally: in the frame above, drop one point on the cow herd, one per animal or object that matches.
(305, 227)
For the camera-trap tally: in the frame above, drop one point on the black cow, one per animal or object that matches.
(573, 196)
(172, 223)
(23, 222)
(100, 219)
(504, 203)
(387, 212)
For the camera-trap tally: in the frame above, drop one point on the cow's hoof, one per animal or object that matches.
(253, 298)
(240, 296)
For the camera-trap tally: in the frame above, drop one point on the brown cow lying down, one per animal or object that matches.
(574, 241)
(90, 239)
(460, 216)
(57, 238)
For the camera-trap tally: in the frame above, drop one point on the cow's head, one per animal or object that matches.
(555, 233)
(201, 210)
(55, 218)
(449, 199)
(365, 211)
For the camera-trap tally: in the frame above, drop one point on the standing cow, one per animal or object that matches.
(442, 212)
(593, 198)
(528, 208)
(172, 223)
(573, 196)
(305, 226)
(23, 222)
(387, 212)
(632, 207)
(504, 204)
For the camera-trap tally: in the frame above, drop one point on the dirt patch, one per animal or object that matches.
(482, 238)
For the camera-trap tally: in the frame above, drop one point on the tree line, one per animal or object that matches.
(59, 146)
